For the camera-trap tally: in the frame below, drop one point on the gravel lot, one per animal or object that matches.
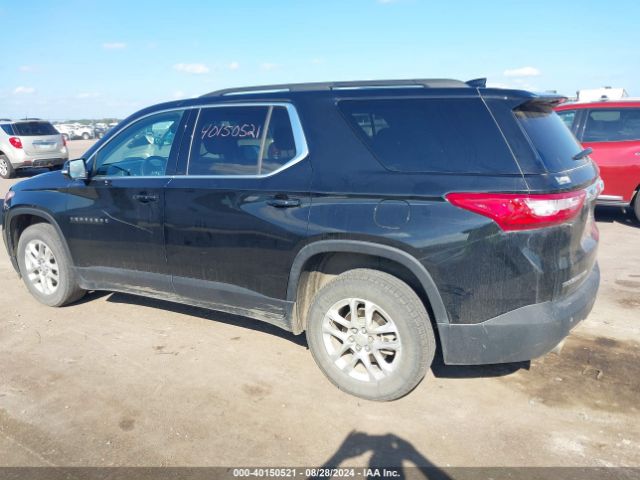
(121, 380)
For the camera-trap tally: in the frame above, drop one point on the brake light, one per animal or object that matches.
(64, 141)
(522, 211)
(16, 142)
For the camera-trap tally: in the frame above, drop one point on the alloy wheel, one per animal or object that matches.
(4, 168)
(42, 267)
(361, 339)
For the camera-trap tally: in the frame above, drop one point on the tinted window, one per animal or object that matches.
(549, 136)
(567, 117)
(241, 141)
(142, 149)
(7, 129)
(279, 145)
(611, 125)
(32, 129)
(431, 135)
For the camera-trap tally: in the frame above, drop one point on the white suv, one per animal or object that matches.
(30, 143)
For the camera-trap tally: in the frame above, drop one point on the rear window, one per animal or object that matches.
(431, 135)
(612, 125)
(549, 136)
(32, 129)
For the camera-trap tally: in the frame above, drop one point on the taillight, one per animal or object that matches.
(16, 142)
(522, 211)
(64, 141)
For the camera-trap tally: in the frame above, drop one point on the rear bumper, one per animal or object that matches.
(521, 334)
(41, 162)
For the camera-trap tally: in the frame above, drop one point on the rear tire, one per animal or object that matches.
(636, 206)
(46, 268)
(385, 351)
(86, 136)
(6, 169)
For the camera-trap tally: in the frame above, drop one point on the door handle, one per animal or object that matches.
(284, 202)
(145, 198)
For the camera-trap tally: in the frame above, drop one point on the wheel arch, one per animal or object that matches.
(19, 219)
(311, 253)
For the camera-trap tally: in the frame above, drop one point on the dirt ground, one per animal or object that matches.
(119, 380)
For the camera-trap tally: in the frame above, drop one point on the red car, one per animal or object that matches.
(612, 130)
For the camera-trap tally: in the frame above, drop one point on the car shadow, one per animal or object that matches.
(616, 215)
(438, 367)
(441, 370)
(388, 451)
(203, 313)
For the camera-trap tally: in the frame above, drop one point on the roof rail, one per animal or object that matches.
(315, 86)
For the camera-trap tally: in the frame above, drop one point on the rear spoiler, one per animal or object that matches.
(477, 83)
(549, 100)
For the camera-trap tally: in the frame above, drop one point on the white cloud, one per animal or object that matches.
(194, 68)
(26, 68)
(386, 2)
(178, 94)
(269, 66)
(522, 72)
(23, 90)
(114, 45)
(317, 61)
(234, 66)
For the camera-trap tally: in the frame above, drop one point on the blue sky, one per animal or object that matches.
(88, 58)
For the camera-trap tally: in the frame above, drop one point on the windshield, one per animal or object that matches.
(552, 140)
(32, 129)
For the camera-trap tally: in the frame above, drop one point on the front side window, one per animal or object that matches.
(612, 125)
(254, 140)
(142, 149)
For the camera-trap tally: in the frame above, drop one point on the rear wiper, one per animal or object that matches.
(583, 153)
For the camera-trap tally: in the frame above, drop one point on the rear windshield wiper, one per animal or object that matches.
(583, 153)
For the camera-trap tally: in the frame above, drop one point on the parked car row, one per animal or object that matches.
(75, 131)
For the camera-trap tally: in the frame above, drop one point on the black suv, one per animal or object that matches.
(384, 219)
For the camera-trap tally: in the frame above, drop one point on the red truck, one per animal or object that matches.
(612, 130)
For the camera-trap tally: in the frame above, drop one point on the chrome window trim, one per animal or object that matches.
(302, 149)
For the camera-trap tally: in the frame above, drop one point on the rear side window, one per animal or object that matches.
(431, 135)
(7, 129)
(612, 125)
(32, 129)
(241, 141)
(549, 136)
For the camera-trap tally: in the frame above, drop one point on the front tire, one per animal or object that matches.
(6, 169)
(85, 136)
(46, 268)
(371, 335)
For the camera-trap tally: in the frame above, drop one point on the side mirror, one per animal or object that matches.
(75, 169)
